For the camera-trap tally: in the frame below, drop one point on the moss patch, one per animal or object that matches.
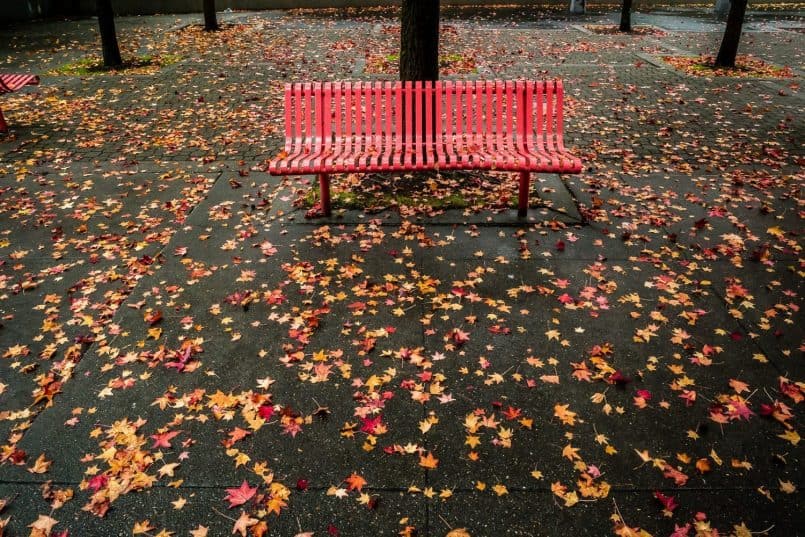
(144, 64)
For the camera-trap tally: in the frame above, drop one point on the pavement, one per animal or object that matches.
(183, 352)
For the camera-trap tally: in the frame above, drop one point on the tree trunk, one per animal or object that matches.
(721, 9)
(419, 42)
(732, 34)
(106, 24)
(577, 7)
(210, 21)
(626, 16)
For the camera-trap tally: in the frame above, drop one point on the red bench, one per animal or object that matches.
(342, 127)
(10, 83)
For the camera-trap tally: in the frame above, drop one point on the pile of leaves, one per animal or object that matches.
(745, 67)
(143, 65)
(607, 29)
(450, 64)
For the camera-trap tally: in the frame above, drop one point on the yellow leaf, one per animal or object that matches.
(570, 453)
(787, 486)
(776, 231)
(791, 436)
(565, 415)
(168, 469)
(142, 527)
(41, 465)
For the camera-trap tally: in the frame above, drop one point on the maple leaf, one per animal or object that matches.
(791, 436)
(152, 317)
(41, 465)
(163, 439)
(200, 531)
(428, 461)
(739, 386)
(243, 523)
(167, 470)
(668, 502)
(459, 337)
(552, 334)
(240, 495)
(235, 435)
(355, 482)
(142, 527)
(672, 473)
(565, 415)
(43, 524)
(372, 425)
(570, 453)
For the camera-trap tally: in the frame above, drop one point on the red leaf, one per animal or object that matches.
(153, 317)
(240, 495)
(668, 502)
(164, 439)
(459, 336)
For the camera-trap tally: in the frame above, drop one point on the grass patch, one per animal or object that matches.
(380, 201)
(608, 29)
(745, 67)
(419, 193)
(449, 64)
(143, 64)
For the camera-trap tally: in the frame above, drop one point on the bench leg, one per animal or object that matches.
(522, 202)
(3, 126)
(324, 192)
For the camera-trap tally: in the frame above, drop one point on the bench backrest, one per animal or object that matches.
(424, 112)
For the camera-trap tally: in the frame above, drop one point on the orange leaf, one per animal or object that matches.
(428, 461)
(355, 482)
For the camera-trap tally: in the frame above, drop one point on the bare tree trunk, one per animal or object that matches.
(626, 16)
(210, 21)
(419, 43)
(106, 24)
(721, 9)
(732, 34)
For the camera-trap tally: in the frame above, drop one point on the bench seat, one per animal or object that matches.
(455, 153)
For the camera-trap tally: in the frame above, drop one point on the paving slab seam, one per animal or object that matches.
(460, 490)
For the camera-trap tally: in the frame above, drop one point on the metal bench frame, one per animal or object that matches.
(342, 127)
